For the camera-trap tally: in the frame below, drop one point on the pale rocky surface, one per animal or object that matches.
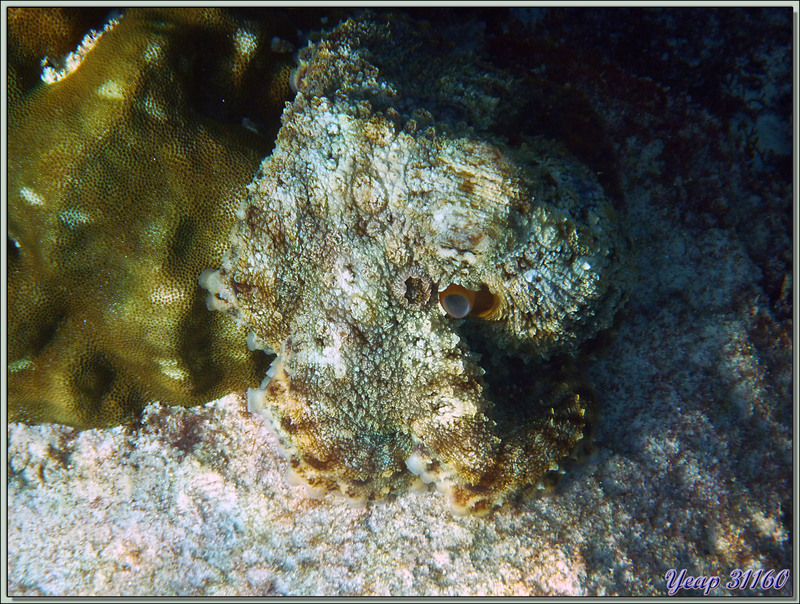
(106, 512)
(691, 468)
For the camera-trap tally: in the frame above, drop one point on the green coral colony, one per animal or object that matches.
(424, 285)
(122, 188)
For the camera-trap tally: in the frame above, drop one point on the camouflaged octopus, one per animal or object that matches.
(416, 283)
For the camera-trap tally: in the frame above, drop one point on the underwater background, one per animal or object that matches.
(686, 117)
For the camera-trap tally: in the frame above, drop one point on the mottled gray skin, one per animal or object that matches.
(350, 228)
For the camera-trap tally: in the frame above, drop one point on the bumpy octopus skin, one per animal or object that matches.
(352, 234)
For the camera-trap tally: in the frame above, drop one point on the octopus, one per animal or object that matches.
(422, 283)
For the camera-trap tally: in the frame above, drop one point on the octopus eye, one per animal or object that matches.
(457, 305)
(460, 302)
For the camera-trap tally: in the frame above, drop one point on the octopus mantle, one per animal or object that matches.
(352, 230)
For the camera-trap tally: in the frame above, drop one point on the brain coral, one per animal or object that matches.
(124, 175)
(419, 280)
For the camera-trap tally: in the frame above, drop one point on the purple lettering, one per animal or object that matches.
(680, 580)
(674, 580)
(712, 584)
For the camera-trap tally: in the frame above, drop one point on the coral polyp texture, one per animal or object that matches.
(378, 196)
(124, 177)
